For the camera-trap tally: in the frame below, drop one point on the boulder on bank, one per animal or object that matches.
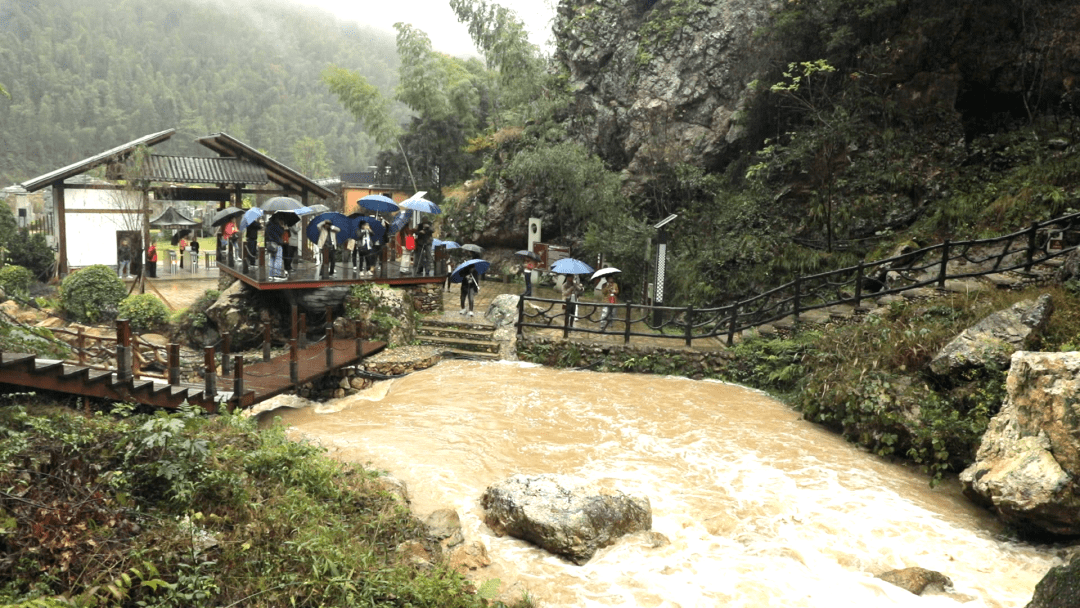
(566, 516)
(503, 310)
(989, 343)
(1060, 588)
(240, 312)
(1028, 463)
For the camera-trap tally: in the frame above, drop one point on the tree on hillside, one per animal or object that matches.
(309, 154)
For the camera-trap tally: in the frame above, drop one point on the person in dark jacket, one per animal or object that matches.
(470, 286)
(275, 246)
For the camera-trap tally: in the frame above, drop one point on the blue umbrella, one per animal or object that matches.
(377, 228)
(346, 226)
(250, 217)
(421, 204)
(399, 221)
(481, 267)
(447, 244)
(571, 266)
(378, 203)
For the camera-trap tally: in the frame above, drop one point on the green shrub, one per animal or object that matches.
(145, 311)
(33, 253)
(92, 294)
(16, 280)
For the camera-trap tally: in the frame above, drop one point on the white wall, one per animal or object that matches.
(91, 237)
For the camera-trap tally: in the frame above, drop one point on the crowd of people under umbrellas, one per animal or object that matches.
(359, 240)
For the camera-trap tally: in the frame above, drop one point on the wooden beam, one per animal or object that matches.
(61, 224)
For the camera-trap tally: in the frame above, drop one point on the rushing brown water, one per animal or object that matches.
(761, 507)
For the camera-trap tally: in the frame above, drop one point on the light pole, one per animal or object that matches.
(661, 265)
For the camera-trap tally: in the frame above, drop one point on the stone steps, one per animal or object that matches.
(465, 337)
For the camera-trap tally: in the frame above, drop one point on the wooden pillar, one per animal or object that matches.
(626, 328)
(61, 227)
(301, 334)
(262, 263)
(80, 345)
(174, 364)
(238, 380)
(1032, 238)
(359, 339)
(858, 284)
(566, 319)
(734, 324)
(226, 350)
(943, 270)
(210, 373)
(689, 325)
(293, 314)
(123, 350)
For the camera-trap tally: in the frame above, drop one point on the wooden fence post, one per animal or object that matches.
(1032, 237)
(329, 316)
(123, 350)
(262, 264)
(858, 284)
(226, 350)
(733, 324)
(566, 319)
(266, 341)
(626, 324)
(359, 339)
(210, 373)
(238, 380)
(943, 271)
(798, 290)
(689, 325)
(174, 364)
(80, 344)
(329, 347)
(521, 315)
(293, 315)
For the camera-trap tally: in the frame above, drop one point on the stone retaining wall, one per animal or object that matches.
(349, 380)
(427, 297)
(557, 352)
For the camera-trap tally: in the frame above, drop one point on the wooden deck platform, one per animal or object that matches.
(305, 275)
(261, 381)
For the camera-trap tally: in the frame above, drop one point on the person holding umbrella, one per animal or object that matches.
(183, 246)
(470, 286)
(275, 245)
(424, 234)
(571, 290)
(610, 291)
(251, 242)
(328, 239)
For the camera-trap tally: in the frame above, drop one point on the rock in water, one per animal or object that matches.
(1060, 588)
(1028, 462)
(915, 579)
(566, 516)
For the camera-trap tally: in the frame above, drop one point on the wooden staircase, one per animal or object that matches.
(27, 370)
(464, 338)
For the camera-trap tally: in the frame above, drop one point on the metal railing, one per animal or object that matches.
(927, 267)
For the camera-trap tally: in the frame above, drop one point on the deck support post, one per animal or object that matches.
(266, 341)
(226, 350)
(329, 346)
(174, 364)
(294, 363)
(359, 339)
(302, 332)
(293, 315)
(626, 325)
(123, 350)
(210, 373)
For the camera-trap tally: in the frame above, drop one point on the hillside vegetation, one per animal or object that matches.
(87, 75)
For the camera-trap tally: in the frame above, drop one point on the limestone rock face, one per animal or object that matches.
(563, 515)
(503, 310)
(241, 313)
(385, 314)
(990, 342)
(1060, 588)
(1029, 459)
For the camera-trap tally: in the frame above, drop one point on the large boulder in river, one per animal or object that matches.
(1060, 588)
(989, 343)
(566, 516)
(385, 313)
(241, 311)
(1028, 464)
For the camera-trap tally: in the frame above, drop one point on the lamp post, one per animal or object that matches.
(661, 265)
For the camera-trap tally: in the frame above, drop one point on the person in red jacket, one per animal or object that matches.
(151, 261)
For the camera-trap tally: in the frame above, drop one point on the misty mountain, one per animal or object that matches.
(87, 75)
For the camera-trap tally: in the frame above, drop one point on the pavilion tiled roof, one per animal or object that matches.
(202, 170)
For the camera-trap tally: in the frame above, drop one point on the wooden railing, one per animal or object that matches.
(927, 267)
